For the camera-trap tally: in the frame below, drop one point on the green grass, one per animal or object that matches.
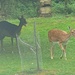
(10, 62)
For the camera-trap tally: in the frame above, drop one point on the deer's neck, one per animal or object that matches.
(69, 35)
(19, 28)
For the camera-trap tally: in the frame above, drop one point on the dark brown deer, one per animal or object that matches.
(11, 30)
(61, 37)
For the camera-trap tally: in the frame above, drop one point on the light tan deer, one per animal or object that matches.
(61, 37)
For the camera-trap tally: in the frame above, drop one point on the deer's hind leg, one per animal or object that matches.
(51, 50)
(1, 40)
(1, 44)
(12, 41)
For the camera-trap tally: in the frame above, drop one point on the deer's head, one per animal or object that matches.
(22, 21)
(73, 32)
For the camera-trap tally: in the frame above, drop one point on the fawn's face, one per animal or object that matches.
(73, 32)
(22, 21)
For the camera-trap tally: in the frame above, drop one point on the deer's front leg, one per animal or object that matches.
(63, 50)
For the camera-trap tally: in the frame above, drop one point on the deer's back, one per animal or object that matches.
(7, 28)
(57, 35)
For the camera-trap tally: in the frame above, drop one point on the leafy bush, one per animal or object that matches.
(15, 8)
(58, 8)
(29, 8)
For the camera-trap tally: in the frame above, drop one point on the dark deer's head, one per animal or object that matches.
(22, 21)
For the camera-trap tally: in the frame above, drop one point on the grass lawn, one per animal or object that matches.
(10, 62)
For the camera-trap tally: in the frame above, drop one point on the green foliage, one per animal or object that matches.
(15, 8)
(29, 8)
(58, 7)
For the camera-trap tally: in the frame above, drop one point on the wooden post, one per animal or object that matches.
(45, 8)
(35, 38)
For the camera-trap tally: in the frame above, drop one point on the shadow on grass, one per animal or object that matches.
(36, 72)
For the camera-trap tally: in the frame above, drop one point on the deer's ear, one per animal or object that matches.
(69, 27)
(19, 18)
(22, 16)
